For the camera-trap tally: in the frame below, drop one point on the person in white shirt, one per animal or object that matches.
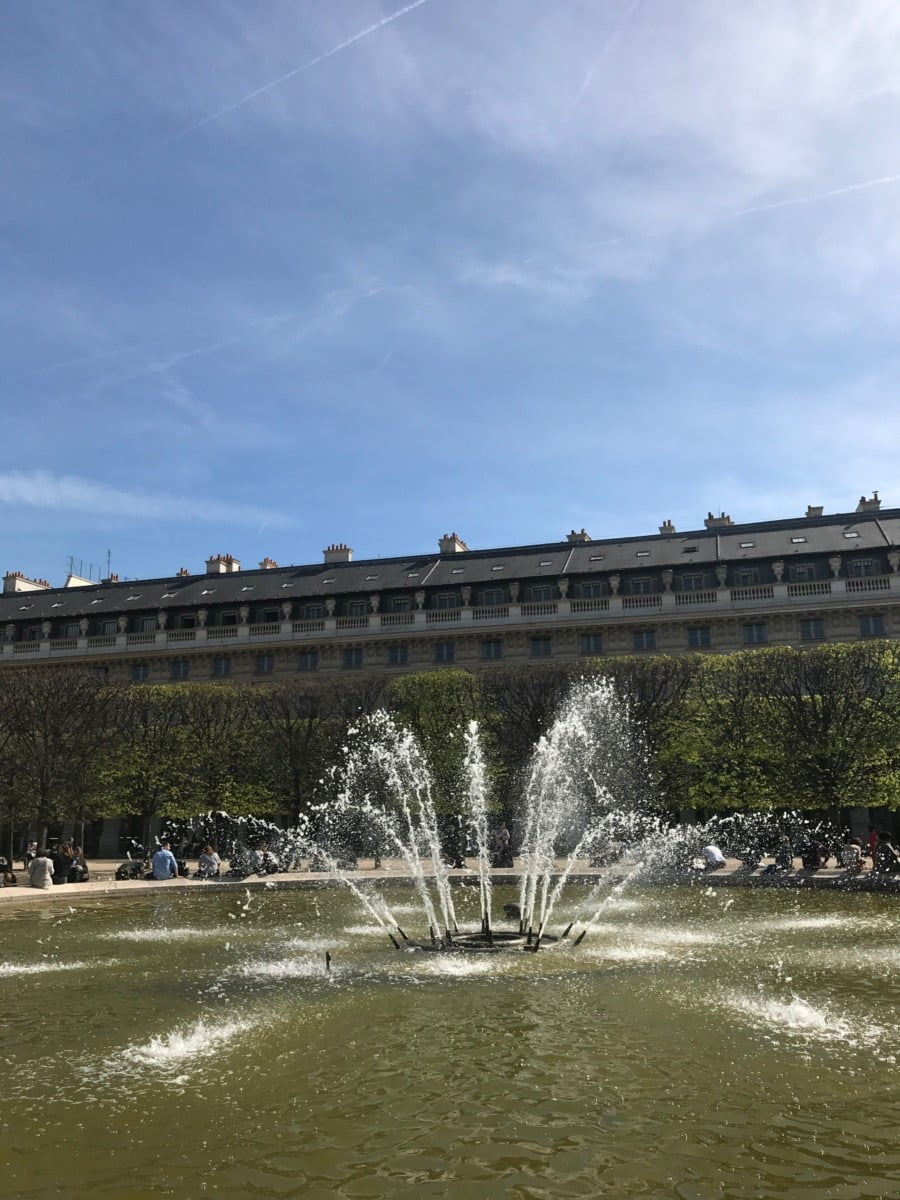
(40, 871)
(714, 858)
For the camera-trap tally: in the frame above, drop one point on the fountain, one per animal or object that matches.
(565, 1026)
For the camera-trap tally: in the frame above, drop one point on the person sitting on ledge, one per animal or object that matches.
(715, 859)
(209, 865)
(887, 860)
(40, 870)
(851, 857)
(163, 864)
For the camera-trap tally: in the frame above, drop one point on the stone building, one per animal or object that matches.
(723, 587)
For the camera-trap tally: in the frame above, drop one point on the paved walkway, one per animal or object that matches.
(104, 883)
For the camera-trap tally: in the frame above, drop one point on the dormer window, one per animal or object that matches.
(797, 540)
(747, 545)
(99, 600)
(498, 568)
(642, 554)
(596, 557)
(167, 595)
(852, 533)
(205, 592)
(135, 596)
(249, 587)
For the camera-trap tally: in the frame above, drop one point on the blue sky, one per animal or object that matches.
(279, 273)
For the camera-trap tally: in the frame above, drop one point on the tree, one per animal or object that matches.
(56, 723)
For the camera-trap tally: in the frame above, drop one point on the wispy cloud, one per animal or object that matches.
(69, 493)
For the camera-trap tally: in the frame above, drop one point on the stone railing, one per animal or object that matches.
(758, 600)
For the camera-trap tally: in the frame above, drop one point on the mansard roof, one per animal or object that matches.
(870, 532)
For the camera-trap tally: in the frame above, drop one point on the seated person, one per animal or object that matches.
(851, 857)
(209, 865)
(163, 864)
(714, 857)
(886, 858)
(78, 871)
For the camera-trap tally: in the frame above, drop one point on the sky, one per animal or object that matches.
(282, 273)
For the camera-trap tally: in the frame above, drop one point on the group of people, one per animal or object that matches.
(45, 868)
(850, 855)
(164, 864)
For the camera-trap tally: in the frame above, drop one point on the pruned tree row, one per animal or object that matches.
(813, 728)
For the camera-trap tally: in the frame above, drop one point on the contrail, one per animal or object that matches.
(592, 69)
(273, 83)
(811, 199)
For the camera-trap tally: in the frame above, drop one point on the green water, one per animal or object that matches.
(731, 1045)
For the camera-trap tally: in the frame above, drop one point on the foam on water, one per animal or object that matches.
(182, 1046)
(634, 953)
(798, 1017)
(662, 936)
(8, 969)
(291, 968)
(165, 934)
(825, 921)
(458, 966)
(311, 944)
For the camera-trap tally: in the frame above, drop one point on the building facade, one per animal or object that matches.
(724, 587)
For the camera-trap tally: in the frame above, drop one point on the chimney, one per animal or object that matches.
(667, 526)
(182, 572)
(268, 564)
(222, 564)
(718, 522)
(572, 536)
(111, 579)
(452, 543)
(15, 581)
(814, 510)
(872, 505)
(338, 552)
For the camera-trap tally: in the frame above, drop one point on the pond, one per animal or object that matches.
(695, 1045)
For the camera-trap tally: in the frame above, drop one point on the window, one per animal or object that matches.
(541, 647)
(312, 612)
(107, 627)
(356, 608)
(596, 558)
(72, 630)
(746, 576)
(698, 639)
(591, 643)
(352, 656)
(756, 633)
(541, 592)
(265, 664)
(491, 597)
(146, 624)
(181, 668)
(204, 592)
(692, 583)
(590, 589)
(642, 554)
(369, 578)
(229, 618)
(860, 568)
(446, 600)
(33, 634)
(689, 549)
(643, 639)
(444, 652)
(799, 572)
(221, 666)
(400, 604)
(398, 656)
(308, 660)
(812, 630)
(797, 540)
(852, 533)
(641, 585)
(747, 545)
(545, 562)
(456, 570)
(492, 648)
(271, 616)
(187, 621)
(871, 625)
(500, 567)
(249, 587)
(140, 673)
